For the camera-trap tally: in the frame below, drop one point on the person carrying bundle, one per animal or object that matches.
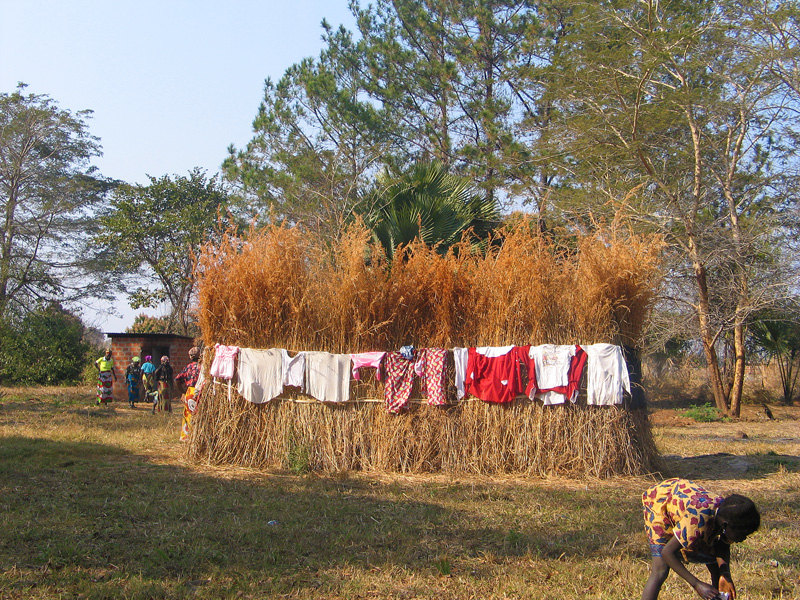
(188, 379)
(686, 523)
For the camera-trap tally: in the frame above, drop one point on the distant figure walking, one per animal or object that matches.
(133, 376)
(165, 382)
(105, 378)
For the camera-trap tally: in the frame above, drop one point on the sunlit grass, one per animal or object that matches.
(99, 503)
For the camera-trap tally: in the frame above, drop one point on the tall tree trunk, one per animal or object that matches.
(738, 366)
(707, 336)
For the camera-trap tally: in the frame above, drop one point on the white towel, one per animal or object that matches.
(460, 360)
(328, 376)
(260, 374)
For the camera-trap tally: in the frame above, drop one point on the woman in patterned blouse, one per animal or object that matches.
(686, 523)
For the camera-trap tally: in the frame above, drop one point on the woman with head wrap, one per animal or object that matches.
(149, 380)
(133, 376)
(164, 379)
(188, 378)
(105, 369)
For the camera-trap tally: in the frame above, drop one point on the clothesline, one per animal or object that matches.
(308, 400)
(550, 373)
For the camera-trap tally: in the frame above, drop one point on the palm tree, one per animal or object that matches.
(780, 339)
(429, 204)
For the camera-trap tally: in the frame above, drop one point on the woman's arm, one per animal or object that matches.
(670, 556)
(723, 553)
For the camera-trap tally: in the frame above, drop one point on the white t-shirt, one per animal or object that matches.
(552, 365)
(607, 374)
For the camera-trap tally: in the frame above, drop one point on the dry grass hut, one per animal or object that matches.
(283, 288)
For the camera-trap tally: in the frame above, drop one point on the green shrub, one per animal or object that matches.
(706, 413)
(46, 346)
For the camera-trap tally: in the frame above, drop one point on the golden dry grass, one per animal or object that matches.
(100, 503)
(280, 287)
(471, 437)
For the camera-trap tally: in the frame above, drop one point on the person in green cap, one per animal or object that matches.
(105, 369)
(133, 376)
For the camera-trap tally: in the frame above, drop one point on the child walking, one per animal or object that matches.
(686, 523)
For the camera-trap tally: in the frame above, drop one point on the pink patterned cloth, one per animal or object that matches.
(430, 367)
(399, 380)
(224, 361)
(367, 359)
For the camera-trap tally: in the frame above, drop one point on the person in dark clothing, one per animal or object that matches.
(133, 377)
(164, 380)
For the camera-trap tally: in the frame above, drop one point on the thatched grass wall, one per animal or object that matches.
(282, 288)
(522, 437)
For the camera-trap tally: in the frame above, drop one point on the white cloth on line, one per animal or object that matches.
(552, 365)
(260, 374)
(460, 360)
(328, 376)
(607, 374)
(294, 369)
(493, 351)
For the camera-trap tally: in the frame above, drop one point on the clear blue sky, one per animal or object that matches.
(171, 82)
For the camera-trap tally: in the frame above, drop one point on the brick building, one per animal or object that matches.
(124, 346)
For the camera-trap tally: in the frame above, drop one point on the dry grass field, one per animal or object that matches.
(101, 503)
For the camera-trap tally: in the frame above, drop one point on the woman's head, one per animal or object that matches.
(737, 517)
(194, 353)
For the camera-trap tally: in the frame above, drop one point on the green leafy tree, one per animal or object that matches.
(144, 323)
(317, 142)
(150, 234)
(467, 84)
(673, 116)
(47, 191)
(460, 83)
(47, 346)
(429, 204)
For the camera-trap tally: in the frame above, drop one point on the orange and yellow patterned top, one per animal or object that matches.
(681, 508)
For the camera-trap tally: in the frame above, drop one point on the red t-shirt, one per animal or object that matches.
(495, 378)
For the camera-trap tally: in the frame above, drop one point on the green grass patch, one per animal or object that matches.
(706, 413)
(105, 508)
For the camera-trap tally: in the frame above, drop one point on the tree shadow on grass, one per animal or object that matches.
(723, 465)
(71, 508)
(96, 520)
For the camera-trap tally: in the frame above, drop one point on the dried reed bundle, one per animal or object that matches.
(472, 437)
(279, 287)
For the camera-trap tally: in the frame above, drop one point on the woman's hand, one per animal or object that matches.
(706, 591)
(726, 585)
